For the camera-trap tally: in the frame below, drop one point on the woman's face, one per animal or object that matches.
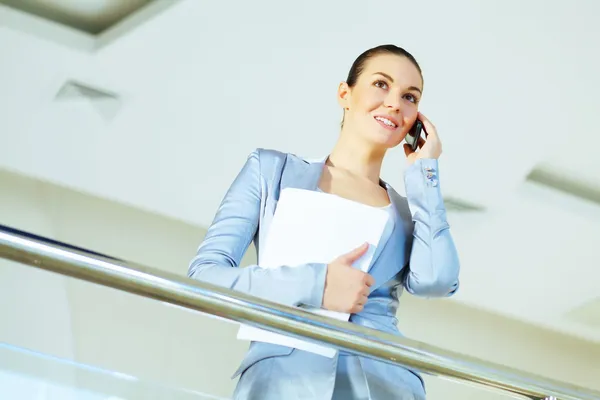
(382, 106)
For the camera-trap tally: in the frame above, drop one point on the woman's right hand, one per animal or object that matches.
(347, 288)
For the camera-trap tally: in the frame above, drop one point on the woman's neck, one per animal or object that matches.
(356, 157)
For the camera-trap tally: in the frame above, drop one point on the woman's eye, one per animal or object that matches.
(411, 98)
(381, 84)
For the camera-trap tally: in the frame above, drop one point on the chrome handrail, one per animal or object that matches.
(179, 290)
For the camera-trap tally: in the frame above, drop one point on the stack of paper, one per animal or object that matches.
(316, 227)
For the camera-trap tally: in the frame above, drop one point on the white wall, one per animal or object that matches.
(159, 343)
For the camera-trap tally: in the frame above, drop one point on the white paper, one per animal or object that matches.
(316, 227)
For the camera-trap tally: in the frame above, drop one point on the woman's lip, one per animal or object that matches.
(391, 128)
(389, 117)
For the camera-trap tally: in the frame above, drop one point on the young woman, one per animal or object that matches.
(380, 99)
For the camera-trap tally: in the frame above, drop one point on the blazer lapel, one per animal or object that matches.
(382, 244)
(389, 261)
(302, 174)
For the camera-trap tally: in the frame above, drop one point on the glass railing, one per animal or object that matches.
(152, 283)
(26, 374)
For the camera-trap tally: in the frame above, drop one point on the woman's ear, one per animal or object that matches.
(343, 95)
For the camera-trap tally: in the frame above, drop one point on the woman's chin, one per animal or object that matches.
(386, 139)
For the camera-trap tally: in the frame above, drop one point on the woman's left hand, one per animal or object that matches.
(430, 148)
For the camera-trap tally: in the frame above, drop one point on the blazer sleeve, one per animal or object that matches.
(229, 236)
(433, 264)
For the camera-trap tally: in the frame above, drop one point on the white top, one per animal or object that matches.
(389, 228)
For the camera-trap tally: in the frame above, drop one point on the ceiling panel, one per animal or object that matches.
(91, 16)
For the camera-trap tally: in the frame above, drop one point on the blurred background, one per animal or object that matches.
(123, 122)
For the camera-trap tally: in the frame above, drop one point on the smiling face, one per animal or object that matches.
(381, 107)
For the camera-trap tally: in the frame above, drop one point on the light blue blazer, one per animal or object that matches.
(419, 256)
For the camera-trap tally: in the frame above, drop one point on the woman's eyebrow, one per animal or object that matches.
(392, 80)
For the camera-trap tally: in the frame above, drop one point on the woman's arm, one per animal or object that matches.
(434, 265)
(227, 239)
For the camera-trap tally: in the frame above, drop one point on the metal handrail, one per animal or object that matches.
(179, 290)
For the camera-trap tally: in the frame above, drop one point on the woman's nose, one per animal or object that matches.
(392, 101)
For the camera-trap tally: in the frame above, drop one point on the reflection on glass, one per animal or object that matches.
(25, 374)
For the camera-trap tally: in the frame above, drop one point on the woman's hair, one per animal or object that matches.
(359, 64)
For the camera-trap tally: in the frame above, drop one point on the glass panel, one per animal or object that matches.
(26, 374)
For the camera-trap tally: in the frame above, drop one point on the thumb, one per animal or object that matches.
(355, 254)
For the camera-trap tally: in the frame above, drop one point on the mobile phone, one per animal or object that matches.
(413, 135)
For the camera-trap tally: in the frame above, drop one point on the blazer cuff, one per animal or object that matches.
(422, 185)
(314, 285)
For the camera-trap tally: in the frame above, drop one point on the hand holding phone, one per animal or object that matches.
(429, 147)
(413, 135)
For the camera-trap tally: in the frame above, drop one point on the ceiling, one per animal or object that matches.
(160, 111)
(88, 16)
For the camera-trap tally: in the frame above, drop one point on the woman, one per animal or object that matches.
(380, 100)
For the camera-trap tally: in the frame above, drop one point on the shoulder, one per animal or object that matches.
(273, 156)
(267, 163)
(272, 161)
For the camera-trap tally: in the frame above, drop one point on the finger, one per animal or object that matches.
(356, 309)
(369, 280)
(361, 299)
(355, 254)
(427, 125)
